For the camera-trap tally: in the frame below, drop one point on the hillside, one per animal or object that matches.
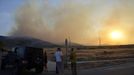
(25, 41)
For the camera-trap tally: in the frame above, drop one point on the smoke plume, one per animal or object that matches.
(83, 21)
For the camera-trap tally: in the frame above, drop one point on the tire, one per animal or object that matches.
(3, 65)
(39, 68)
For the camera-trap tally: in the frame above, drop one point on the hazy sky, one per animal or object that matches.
(83, 21)
(7, 10)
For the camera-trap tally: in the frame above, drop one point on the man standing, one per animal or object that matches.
(73, 62)
(58, 58)
(45, 61)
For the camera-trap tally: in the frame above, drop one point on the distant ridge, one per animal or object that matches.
(106, 46)
(11, 41)
(25, 41)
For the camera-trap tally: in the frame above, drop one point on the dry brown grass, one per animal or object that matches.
(99, 57)
(97, 54)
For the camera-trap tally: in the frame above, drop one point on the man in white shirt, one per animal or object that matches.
(59, 58)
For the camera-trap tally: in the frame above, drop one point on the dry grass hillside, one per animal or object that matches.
(97, 57)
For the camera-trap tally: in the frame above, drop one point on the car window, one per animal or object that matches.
(20, 52)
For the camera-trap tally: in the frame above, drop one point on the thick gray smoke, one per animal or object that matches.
(51, 23)
(79, 20)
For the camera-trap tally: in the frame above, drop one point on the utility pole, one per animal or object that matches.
(66, 57)
(99, 39)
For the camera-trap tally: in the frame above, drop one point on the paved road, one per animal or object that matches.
(124, 69)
